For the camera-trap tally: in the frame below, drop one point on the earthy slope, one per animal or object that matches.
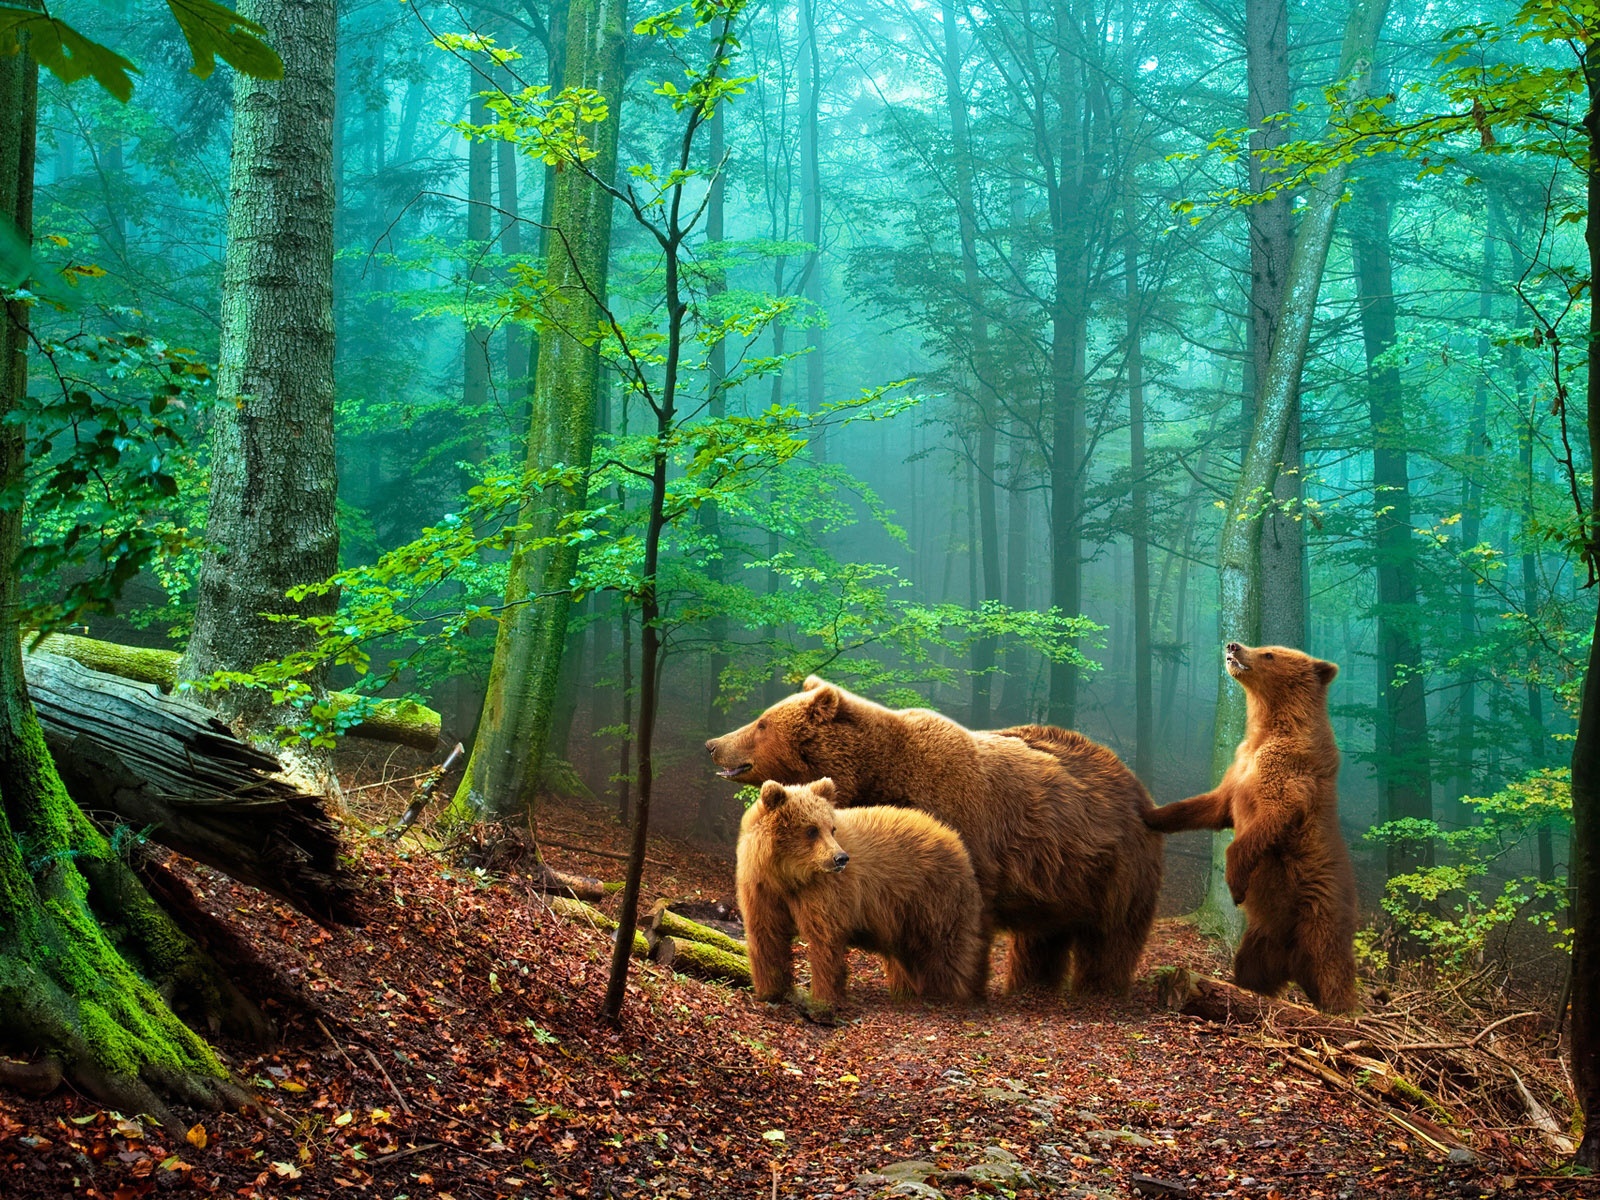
(450, 1048)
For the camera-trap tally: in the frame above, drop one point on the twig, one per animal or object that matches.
(598, 853)
(367, 787)
(336, 1044)
(425, 792)
(1488, 1029)
(406, 1153)
(389, 1081)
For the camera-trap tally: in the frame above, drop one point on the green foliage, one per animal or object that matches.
(1453, 908)
(108, 458)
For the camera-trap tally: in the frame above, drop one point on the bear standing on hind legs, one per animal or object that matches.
(1053, 821)
(1288, 865)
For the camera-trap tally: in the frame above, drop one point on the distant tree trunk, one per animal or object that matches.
(1068, 330)
(1585, 854)
(1530, 606)
(480, 201)
(508, 753)
(1014, 695)
(1139, 517)
(1471, 528)
(1266, 32)
(988, 540)
(518, 347)
(1405, 785)
(271, 523)
(810, 80)
(1239, 552)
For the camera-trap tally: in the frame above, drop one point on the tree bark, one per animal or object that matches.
(1266, 32)
(1239, 552)
(271, 523)
(1405, 784)
(508, 752)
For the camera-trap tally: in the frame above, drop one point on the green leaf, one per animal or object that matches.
(63, 51)
(214, 32)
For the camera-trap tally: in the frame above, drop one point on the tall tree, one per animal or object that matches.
(1268, 103)
(1277, 390)
(271, 524)
(810, 80)
(1402, 752)
(519, 708)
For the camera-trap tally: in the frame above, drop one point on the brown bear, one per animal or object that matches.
(1053, 821)
(1288, 865)
(887, 880)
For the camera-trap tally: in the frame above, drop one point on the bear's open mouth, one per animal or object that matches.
(735, 772)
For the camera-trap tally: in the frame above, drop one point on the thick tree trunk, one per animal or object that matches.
(85, 954)
(1239, 553)
(1266, 33)
(271, 524)
(1405, 784)
(519, 707)
(1585, 853)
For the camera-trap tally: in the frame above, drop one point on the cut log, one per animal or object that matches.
(403, 721)
(705, 962)
(666, 923)
(162, 764)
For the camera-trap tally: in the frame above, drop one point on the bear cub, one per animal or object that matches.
(891, 881)
(1288, 865)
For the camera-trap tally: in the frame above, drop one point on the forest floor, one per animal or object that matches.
(451, 1048)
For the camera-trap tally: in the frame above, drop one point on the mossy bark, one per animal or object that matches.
(402, 721)
(83, 949)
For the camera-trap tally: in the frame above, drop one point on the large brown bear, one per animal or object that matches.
(1288, 865)
(1053, 822)
(891, 881)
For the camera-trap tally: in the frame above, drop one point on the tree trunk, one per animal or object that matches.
(1014, 695)
(509, 750)
(1266, 33)
(810, 81)
(1585, 852)
(85, 954)
(1139, 517)
(1405, 786)
(271, 524)
(1239, 552)
(480, 201)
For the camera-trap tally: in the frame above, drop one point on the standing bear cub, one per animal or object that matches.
(1054, 822)
(886, 880)
(1288, 865)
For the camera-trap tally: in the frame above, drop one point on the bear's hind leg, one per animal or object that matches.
(1038, 960)
(1262, 963)
(1324, 964)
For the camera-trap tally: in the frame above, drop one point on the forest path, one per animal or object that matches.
(450, 1048)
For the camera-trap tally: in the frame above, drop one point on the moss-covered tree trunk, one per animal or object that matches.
(85, 954)
(519, 708)
(271, 523)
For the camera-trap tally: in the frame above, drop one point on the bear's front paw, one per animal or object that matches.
(818, 1012)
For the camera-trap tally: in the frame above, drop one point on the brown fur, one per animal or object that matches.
(1053, 821)
(887, 880)
(1288, 865)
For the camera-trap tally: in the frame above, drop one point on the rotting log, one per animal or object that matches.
(588, 914)
(663, 922)
(162, 764)
(688, 957)
(401, 721)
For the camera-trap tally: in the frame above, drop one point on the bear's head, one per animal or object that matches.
(1277, 673)
(783, 743)
(791, 831)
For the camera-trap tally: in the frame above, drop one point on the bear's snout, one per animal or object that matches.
(839, 860)
(711, 745)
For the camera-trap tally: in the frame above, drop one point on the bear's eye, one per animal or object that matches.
(813, 833)
(1266, 656)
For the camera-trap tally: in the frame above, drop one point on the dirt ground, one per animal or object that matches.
(450, 1047)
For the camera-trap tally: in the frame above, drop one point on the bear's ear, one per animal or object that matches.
(812, 683)
(772, 793)
(1325, 670)
(825, 703)
(824, 788)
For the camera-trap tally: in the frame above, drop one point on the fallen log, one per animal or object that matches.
(161, 764)
(588, 914)
(663, 922)
(688, 957)
(403, 721)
